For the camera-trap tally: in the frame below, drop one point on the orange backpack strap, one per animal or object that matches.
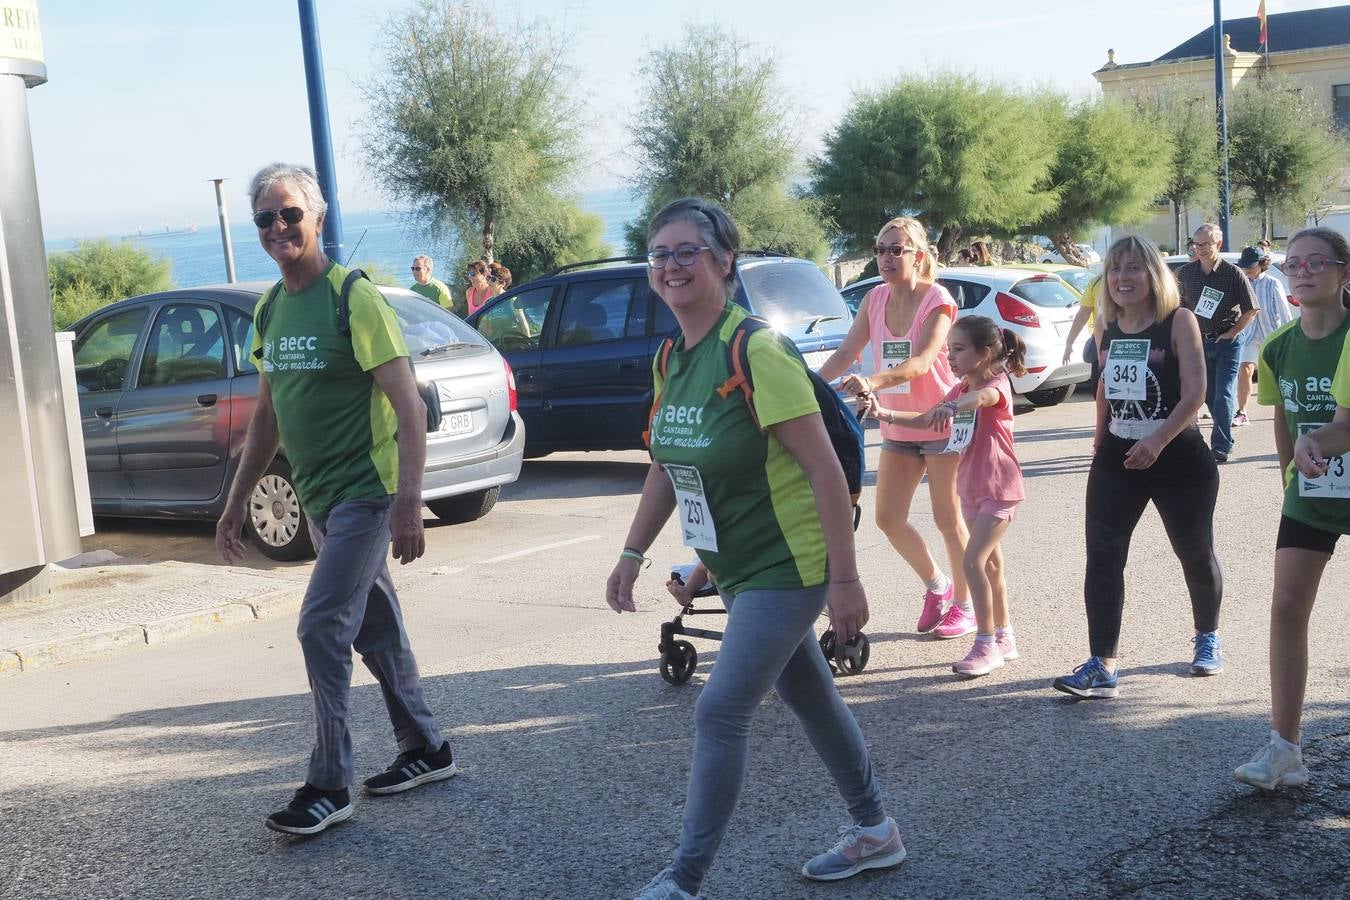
(738, 356)
(662, 364)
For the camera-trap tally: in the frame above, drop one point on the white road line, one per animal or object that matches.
(540, 549)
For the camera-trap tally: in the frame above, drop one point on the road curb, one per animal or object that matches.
(47, 654)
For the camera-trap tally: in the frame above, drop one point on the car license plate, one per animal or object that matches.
(457, 423)
(816, 358)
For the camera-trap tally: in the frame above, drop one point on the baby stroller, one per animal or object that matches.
(679, 658)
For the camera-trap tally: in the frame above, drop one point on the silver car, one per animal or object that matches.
(167, 388)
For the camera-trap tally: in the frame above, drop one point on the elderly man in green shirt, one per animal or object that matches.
(433, 289)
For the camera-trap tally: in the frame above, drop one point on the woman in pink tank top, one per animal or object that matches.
(903, 323)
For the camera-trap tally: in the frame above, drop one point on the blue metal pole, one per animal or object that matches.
(1221, 112)
(319, 131)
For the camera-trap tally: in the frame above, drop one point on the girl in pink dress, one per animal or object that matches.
(979, 412)
(903, 323)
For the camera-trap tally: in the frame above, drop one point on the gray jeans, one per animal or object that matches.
(769, 642)
(350, 602)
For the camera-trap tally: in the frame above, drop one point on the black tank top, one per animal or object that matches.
(1137, 419)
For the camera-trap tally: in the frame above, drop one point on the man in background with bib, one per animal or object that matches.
(1221, 297)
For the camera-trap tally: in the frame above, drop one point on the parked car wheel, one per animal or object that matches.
(465, 507)
(1049, 396)
(276, 521)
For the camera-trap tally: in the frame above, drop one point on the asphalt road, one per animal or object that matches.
(148, 774)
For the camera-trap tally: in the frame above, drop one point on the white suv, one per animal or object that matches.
(1038, 306)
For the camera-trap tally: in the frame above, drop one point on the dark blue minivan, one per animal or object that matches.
(581, 340)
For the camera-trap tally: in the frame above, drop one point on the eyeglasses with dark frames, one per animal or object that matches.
(291, 215)
(683, 256)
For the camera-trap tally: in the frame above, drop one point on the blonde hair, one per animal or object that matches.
(917, 238)
(1162, 284)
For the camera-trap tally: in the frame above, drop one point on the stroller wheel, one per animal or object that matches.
(849, 659)
(679, 662)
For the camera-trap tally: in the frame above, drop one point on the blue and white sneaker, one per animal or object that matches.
(855, 851)
(1089, 681)
(663, 887)
(1208, 654)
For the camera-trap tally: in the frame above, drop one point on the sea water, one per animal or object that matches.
(385, 240)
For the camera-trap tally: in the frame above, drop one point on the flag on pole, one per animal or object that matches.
(1261, 15)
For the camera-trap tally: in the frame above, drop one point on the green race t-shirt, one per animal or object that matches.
(336, 424)
(1297, 373)
(436, 291)
(760, 505)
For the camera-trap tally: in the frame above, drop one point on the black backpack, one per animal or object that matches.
(846, 434)
(430, 395)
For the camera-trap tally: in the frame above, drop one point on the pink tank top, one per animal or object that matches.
(888, 350)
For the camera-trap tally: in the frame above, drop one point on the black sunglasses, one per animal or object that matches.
(291, 215)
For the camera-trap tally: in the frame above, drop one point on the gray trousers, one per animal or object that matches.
(350, 603)
(769, 642)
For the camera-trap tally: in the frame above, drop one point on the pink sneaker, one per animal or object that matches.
(957, 622)
(1007, 645)
(934, 604)
(982, 659)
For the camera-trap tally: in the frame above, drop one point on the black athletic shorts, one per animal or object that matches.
(1302, 536)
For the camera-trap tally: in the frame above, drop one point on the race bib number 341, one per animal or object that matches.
(691, 504)
(1126, 373)
(963, 429)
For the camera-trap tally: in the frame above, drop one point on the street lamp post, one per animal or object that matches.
(319, 131)
(1221, 116)
(224, 230)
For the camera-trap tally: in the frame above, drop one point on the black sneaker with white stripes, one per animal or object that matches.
(412, 768)
(311, 811)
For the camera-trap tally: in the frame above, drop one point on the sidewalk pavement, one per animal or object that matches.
(101, 602)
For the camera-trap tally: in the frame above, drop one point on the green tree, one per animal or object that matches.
(556, 233)
(1110, 167)
(952, 149)
(1281, 149)
(471, 123)
(99, 272)
(715, 122)
(1188, 123)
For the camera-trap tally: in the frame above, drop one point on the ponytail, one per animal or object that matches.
(1014, 353)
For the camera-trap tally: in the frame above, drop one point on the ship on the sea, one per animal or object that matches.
(141, 233)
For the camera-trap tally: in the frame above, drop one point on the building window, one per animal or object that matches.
(1340, 106)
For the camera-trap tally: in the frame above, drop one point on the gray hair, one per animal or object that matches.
(715, 229)
(1214, 231)
(302, 178)
(423, 258)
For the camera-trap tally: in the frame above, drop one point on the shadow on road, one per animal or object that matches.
(561, 479)
(573, 777)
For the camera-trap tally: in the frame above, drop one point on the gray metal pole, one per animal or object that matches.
(225, 230)
(319, 131)
(1221, 113)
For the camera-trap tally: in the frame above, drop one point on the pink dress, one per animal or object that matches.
(924, 392)
(989, 469)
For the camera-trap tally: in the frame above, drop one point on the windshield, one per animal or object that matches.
(790, 295)
(426, 325)
(1045, 291)
(1079, 278)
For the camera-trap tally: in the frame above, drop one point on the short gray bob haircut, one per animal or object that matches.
(715, 229)
(302, 178)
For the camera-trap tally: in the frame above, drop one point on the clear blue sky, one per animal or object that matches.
(149, 99)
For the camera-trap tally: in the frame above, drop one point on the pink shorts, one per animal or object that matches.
(999, 509)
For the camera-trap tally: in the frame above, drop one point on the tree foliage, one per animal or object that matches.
(715, 122)
(557, 233)
(952, 149)
(1281, 149)
(472, 123)
(1187, 122)
(1110, 167)
(99, 272)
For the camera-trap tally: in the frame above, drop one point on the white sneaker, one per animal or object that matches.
(1276, 766)
(663, 887)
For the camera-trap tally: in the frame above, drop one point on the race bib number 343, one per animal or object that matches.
(691, 504)
(1126, 373)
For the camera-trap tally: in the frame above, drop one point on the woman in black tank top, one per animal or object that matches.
(1147, 447)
